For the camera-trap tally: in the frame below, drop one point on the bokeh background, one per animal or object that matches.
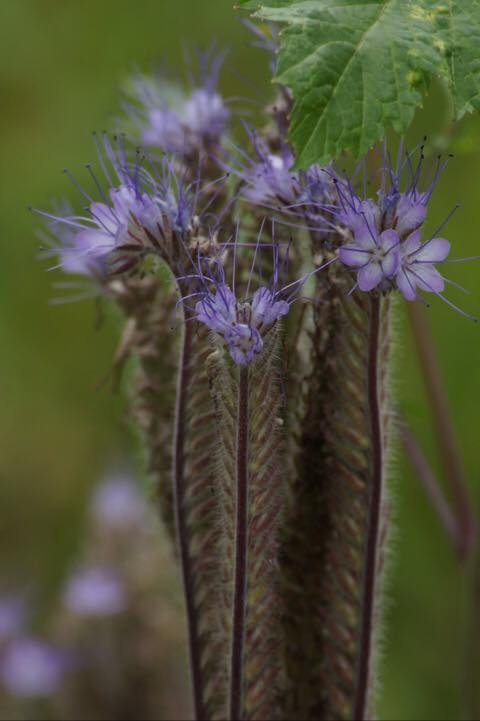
(62, 63)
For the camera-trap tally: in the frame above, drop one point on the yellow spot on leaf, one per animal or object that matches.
(414, 78)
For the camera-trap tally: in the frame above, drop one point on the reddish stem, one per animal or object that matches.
(241, 553)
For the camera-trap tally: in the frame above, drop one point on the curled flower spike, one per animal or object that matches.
(268, 178)
(383, 237)
(243, 322)
(178, 123)
(269, 181)
(140, 213)
(240, 322)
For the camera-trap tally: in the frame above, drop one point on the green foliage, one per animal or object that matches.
(356, 67)
(458, 24)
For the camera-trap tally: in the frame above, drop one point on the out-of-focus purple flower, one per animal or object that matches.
(271, 180)
(268, 177)
(31, 668)
(417, 265)
(12, 616)
(205, 115)
(318, 189)
(117, 503)
(95, 591)
(181, 123)
(163, 129)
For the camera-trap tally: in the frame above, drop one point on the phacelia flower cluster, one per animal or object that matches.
(268, 177)
(243, 321)
(383, 237)
(140, 213)
(270, 182)
(178, 123)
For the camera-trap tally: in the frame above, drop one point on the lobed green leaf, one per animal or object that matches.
(356, 67)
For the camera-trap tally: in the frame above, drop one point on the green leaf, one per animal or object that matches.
(356, 67)
(459, 36)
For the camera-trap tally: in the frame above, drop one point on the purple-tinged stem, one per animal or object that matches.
(179, 500)
(443, 427)
(374, 506)
(241, 553)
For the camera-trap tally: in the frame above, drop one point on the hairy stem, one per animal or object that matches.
(444, 431)
(241, 553)
(374, 505)
(179, 499)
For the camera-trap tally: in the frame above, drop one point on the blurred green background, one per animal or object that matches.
(61, 65)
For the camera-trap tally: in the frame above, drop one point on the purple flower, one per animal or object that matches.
(240, 322)
(12, 616)
(376, 255)
(31, 668)
(180, 123)
(117, 503)
(417, 269)
(383, 237)
(163, 128)
(399, 209)
(205, 115)
(138, 215)
(120, 227)
(95, 591)
(269, 178)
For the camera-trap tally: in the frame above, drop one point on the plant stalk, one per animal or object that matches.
(179, 501)
(241, 552)
(374, 506)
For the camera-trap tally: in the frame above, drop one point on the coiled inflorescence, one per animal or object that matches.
(140, 209)
(383, 237)
(177, 122)
(243, 321)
